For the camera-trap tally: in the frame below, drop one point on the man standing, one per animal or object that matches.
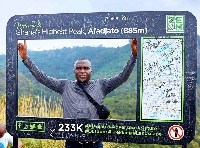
(75, 101)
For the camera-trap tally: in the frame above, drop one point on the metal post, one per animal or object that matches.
(184, 146)
(15, 142)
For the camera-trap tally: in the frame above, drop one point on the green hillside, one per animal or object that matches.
(106, 62)
(59, 63)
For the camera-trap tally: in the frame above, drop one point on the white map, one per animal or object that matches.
(162, 78)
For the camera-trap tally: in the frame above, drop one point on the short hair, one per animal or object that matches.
(82, 59)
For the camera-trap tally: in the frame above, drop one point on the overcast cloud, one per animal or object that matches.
(10, 8)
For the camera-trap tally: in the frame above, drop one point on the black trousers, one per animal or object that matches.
(76, 144)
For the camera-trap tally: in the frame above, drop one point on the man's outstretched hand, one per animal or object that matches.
(22, 48)
(134, 46)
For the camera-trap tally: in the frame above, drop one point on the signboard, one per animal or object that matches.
(166, 75)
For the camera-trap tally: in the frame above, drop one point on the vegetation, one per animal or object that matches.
(37, 100)
(37, 106)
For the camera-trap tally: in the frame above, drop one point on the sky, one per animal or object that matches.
(10, 8)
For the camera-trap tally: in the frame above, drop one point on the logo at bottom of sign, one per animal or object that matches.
(176, 132)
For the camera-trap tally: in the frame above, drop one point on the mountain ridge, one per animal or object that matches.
(54, 65)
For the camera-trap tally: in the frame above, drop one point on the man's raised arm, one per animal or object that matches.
(52, 83)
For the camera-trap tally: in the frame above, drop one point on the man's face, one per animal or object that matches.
(82, 71)
(2, 132)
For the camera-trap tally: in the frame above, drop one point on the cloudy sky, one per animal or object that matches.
(10, 8)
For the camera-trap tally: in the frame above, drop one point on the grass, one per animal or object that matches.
(39, 107)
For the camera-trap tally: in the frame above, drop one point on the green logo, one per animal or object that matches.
(30, 126)
(175, 23)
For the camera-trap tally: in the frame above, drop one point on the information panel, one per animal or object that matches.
(162, 91)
